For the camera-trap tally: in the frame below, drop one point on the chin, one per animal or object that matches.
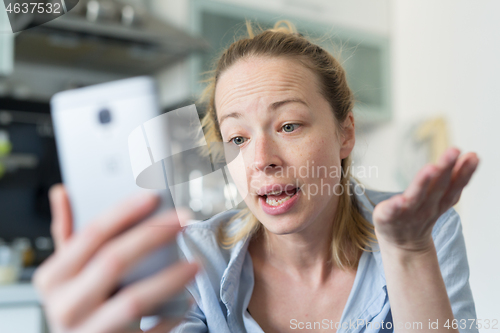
(281, 225)
(282, 229)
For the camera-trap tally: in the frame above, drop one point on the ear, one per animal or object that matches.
(349, 138)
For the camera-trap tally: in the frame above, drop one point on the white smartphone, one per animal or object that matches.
(92, 127)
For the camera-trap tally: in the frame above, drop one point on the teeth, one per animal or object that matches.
(273, 202)
(274, 193)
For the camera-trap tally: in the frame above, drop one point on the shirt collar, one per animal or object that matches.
(230, 277)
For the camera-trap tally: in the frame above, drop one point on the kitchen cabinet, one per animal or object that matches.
(21, 310)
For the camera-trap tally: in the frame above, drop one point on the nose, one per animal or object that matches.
(266, 154)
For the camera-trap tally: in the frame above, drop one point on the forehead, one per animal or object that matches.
(262, 80)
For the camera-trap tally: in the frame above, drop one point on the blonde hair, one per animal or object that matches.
(351, 231)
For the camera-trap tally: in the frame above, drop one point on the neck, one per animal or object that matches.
(304, 255)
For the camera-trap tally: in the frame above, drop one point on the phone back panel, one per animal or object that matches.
(92, 126)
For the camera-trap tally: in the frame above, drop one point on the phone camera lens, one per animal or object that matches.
(104, 116)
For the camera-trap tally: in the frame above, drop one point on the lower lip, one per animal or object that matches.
(281, 209)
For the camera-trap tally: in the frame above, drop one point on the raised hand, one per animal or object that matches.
(405, 221)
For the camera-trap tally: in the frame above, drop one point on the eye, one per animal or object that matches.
(237, 140)
(290, 127)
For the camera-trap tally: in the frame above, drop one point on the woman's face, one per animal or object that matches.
(271, 110)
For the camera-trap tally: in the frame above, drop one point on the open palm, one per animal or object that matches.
(406, 220)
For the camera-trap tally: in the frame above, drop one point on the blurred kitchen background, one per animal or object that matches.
(425, 76)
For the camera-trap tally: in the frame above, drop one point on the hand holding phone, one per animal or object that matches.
(111, 249)
(77, 280)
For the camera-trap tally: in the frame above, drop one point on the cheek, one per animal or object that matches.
(321, 156)
(319, 152)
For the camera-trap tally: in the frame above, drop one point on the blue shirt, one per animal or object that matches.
(222, 290)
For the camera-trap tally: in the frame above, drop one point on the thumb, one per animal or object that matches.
(62, 222)
(386, 210)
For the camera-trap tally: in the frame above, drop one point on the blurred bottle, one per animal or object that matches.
(23, 246)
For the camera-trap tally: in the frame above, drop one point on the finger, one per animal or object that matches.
(62, 221)
(100, 277)
(442, 178)
(416, 192)
(140, 299)
(462, 173)
(85, 243)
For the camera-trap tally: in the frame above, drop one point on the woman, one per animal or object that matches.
(313, 251)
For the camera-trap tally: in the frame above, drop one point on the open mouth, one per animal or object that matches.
(278, 198)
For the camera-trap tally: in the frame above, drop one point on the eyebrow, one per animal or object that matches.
(272, 107)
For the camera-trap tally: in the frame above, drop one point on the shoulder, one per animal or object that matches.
(205, 232)
(212, 223)
(375, 197)
(198, 241)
